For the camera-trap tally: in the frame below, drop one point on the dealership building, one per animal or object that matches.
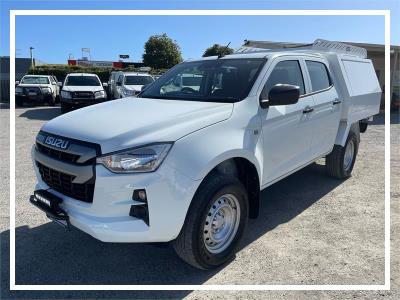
(103, 64)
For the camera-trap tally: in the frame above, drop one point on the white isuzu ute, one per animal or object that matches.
(187, 165)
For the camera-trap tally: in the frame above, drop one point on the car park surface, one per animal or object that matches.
(312, 229)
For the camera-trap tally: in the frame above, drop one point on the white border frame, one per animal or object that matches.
(385, 13)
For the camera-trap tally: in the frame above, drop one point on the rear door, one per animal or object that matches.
(286, 129)
(326, 115)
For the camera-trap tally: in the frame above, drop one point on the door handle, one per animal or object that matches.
(307, 110)
(336, 101)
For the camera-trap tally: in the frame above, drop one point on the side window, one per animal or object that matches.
(285, 72)
(319, 75)
(53, 81)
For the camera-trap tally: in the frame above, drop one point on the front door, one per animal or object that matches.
(287, 132)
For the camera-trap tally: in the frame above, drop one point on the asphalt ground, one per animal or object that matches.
(312, 229)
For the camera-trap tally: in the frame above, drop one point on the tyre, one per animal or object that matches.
(215, 223)
(65, 108)
(19, 101)
(51, 100)
(340, 162)
(363, 127)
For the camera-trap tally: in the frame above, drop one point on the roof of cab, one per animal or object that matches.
(136, 73)
(81, 74)
(34, 75)
(263, 54)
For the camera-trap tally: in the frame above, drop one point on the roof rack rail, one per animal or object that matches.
(318, 45)
(330, 46)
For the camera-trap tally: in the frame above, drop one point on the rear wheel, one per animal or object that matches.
(215, 223)
(340, 162)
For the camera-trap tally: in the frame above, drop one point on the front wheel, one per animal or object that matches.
(215, 223)
(340, 162)
(65, 108)
(19, 101)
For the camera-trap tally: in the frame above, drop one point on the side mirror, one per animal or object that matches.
(105, 84)
(119, 83)
(281, 94)
(60, 84)
(17, 82)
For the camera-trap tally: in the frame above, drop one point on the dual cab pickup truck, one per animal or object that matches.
(187, 165)
(80, 90)
(37, 88)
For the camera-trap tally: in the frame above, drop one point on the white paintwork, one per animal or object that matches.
(120, 89)
(52, 85)
(277, 141)
(73, 88)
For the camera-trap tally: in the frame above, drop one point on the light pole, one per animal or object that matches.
(30, 51)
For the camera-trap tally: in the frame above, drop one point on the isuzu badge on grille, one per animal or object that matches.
(56, 142)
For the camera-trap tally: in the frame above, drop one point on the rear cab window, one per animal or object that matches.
(319, 76)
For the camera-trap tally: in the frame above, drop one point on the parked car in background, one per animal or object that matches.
(81, 89)
(37, 89)
(112, 84)
(187, 165)
(130, 84)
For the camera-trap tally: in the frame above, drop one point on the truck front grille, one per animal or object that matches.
(83, 95)
(62, 183)
(64, 156)
(75, 156)
(36, 90)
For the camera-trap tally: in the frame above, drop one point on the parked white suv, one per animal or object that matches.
(188, 165)
(37, 88)
(129, 84)
(81, 89)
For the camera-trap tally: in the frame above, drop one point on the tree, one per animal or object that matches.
(217, 49)
(161, 52)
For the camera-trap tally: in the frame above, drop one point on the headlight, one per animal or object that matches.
(99, 94)
(46, 90)
(143, 159)
(18, 90)
(65, 95)
(127, 92)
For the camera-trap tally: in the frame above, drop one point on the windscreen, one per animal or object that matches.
(82, 81)
(35, 80)
(219, 80)
(138, 80)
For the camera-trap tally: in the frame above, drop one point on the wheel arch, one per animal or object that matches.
(247, 173)
(343, 132)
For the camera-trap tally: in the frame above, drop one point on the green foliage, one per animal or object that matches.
(216, 50)
(161, 52)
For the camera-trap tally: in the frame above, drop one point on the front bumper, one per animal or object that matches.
(107, 218)
(36, 97)
(76, 102)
